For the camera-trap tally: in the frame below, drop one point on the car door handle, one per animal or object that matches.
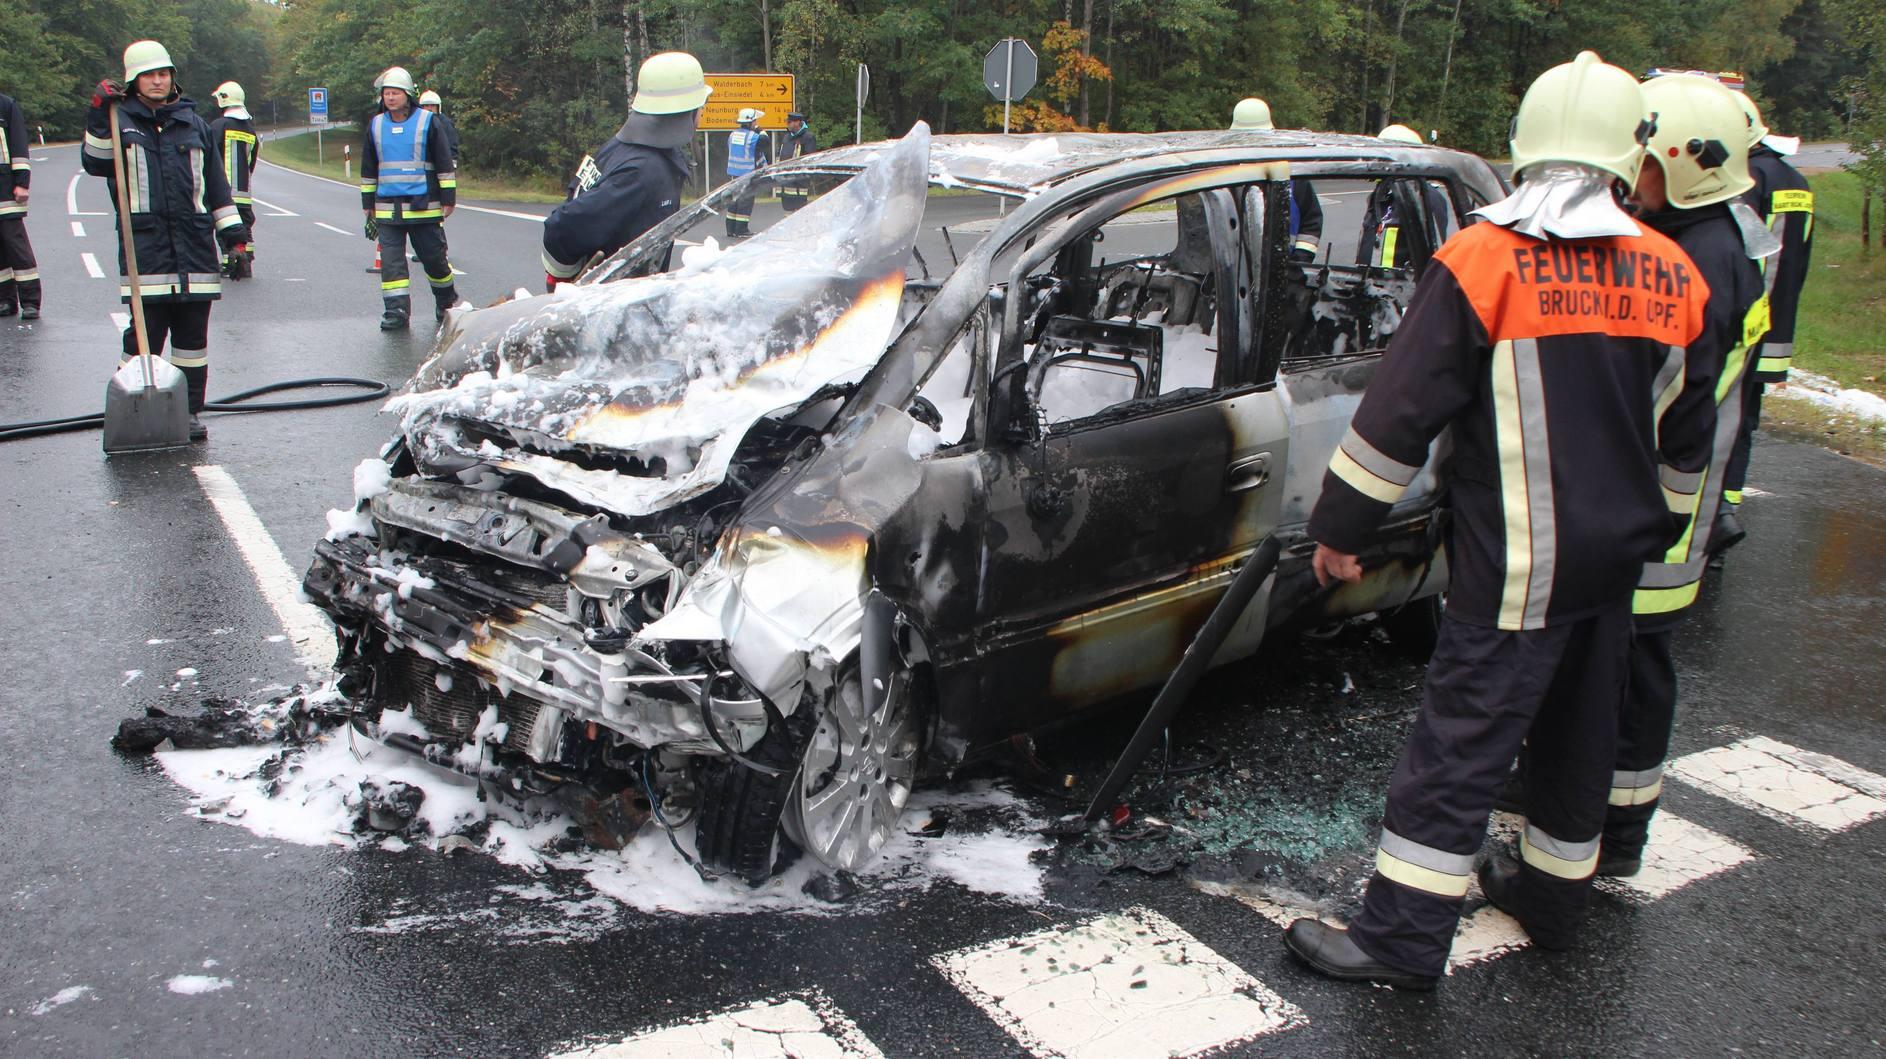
(1248, 473)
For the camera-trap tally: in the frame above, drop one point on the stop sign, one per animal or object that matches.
(1008, 71)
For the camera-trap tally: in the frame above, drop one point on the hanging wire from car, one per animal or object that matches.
(654, 803)
(707, 720)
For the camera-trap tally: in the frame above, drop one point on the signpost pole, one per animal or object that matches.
(1008, 83)
(320, 154)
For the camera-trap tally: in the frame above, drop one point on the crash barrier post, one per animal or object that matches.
(347, 161)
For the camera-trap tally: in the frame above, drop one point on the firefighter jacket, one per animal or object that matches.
(1781, 195)
(798, 144)
(180, 200)
(1734, 321)
(236, 145)
(16, 162)
(747, 150)
(451, 137)
(1383, 243)
(1306, 217)
(621, 192)
(1562, 367)
(406, 172)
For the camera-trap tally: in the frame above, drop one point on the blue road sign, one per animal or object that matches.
(317, 106)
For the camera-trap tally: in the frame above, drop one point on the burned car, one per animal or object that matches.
(761, 537)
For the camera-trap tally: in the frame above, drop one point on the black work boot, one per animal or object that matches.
(1619, 865)
(9, 308)
(1330, 951)
(1727, 532)
(29, 312)
(1500, 879)
(393, 320)
(199, 431)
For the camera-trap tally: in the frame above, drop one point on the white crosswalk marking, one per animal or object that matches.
(280, 211)
(1483, 934)
(1678, 854)
(92, 268)
(1129, 984)
(78, 229)
(798, 1026)
(1779, 782)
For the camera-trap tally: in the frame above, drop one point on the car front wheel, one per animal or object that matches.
(857, 771)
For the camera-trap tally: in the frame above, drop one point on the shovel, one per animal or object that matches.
(147, 403)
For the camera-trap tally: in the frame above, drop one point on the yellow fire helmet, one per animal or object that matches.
(1701, 139)
(144, 56)
(1585, 111)
(1251, 115)
(670, 83)
(1400, 134)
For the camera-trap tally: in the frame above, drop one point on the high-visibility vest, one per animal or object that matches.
(402, 151)
(741, 153)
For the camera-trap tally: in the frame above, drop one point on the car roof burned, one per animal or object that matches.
(1025, 163)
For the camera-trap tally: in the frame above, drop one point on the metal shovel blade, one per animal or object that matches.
(146, 411)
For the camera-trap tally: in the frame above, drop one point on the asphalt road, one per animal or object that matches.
(123, 589)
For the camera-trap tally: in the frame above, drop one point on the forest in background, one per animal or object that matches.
(534, 84)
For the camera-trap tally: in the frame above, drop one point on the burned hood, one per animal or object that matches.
(669, 371)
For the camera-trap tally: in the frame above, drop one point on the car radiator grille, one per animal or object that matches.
(453, 714)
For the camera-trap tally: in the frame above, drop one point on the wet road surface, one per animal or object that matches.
(130, 927)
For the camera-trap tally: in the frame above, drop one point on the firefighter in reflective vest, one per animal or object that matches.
(1553, 340)
(633, 182)
(408, 188)
(747, 152)
(1306, 211)
(1693, 194)
(798, 142)
(1380, 243)
(239, 150)
(180, 209)
(19, 270)
(1782, 196)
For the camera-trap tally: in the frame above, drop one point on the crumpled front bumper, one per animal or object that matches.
(500, 625)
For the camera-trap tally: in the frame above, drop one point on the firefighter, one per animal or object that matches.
(633, 182)
(239, 150)
(408, 187)
(1782, 196)
(747, 152)
(430, 102)
(1552, 340)
(799, 142)
(19, 270)
(1380, 243)
(1306, 211)
(181, 208)
(1690, 193)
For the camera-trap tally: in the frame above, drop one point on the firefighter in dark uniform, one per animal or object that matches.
(797, 143)
(633, 182)
(747, 152)
(239, 150)
(1380, 243)
(181, 208)
(1554, 339)
(430, 102)
(408, 188)
(1692, 194)
(1306, 211)
(19, 270)
(1786, 203)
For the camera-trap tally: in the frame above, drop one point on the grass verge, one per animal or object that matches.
(300, 153)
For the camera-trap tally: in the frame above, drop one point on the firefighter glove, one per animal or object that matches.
(233, 236)
(550, 283)
(1302, 253)
(373, 228)
(107, 89)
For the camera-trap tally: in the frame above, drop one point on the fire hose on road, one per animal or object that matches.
(370, 390)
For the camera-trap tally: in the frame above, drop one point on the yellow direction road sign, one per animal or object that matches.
(771, 94)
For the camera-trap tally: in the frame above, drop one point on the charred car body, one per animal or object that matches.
(772, 533)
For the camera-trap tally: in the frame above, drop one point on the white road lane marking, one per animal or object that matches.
(463, 206)
(306, 626)
(796, 1026)
(280, 211)
(121, 321)
(331, 228)
(72, 199)
(1776, 780)
(1129, 984)
(78, 229)
(91, 265)
(1678, 854)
